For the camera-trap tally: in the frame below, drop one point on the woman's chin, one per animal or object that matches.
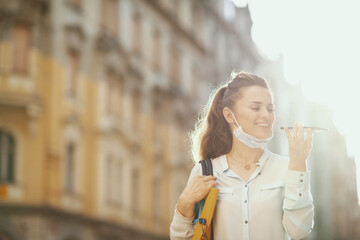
(264, 136)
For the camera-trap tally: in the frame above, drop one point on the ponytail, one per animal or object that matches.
(212, 135)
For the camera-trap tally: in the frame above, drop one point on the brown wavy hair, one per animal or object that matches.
(212, 136)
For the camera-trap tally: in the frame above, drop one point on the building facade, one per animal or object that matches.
(96, 98)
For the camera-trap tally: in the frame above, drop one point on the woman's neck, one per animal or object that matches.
(244, 154)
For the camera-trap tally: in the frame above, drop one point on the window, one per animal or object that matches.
(136, 110)
(7, 157)
(198, 21)
(157, 197)
(21, 48)
(118, 181)
(114, 93)
(135, 192)
(2, 52)
(113, 181)
(74, 65)
(110, 179)
(137, 34)
(195, 80)
(176, 9)
(109, 18)
(76, 3)
(68, 238)
(174, 67)
(70, 168)
(110, 79)
(156, 51)
(119, 89)
(157, 125)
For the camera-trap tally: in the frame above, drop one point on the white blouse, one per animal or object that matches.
(275, 203)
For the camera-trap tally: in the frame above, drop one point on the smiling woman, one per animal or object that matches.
(257, 188)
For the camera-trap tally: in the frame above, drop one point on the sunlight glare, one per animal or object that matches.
(319, 43)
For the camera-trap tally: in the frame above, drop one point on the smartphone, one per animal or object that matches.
(315, 129)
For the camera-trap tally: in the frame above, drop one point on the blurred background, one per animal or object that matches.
(97, 98)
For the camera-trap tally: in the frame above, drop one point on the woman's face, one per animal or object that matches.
(254, 111)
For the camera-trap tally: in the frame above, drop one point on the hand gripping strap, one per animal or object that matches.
(206, 171)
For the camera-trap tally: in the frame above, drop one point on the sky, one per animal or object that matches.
(319, 41)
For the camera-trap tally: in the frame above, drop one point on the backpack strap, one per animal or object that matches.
(207, 170)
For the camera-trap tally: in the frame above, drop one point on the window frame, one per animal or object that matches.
(7, 166)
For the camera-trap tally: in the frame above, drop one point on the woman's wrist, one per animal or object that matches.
(297, 167)
(185, 207)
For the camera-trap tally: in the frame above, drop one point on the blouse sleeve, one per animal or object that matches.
(298, 218)
(182, 227)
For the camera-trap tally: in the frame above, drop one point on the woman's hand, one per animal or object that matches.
(299, 147)
(195, 191)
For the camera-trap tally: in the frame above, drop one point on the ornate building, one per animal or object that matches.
(96, 97)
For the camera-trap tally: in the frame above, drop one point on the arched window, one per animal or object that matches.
(7, 157)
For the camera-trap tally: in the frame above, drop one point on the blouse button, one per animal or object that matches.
(246, 221)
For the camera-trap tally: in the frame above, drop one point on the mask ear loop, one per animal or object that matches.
(238, 125)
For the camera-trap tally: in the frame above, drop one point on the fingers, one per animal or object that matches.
(288, 135)
(295, 131)
(206, 178)
(208, 181)
(209, 178)
(212, 184)
(309, 136)
(198, 188)
(300, 131)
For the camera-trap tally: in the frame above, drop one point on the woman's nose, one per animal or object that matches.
(264, 112)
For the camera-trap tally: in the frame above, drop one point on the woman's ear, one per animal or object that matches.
(227, 115)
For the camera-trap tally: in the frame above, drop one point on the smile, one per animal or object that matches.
(262, 124)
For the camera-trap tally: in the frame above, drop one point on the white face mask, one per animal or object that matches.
(247, 139)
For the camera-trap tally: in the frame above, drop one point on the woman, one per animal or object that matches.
(262, 195)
